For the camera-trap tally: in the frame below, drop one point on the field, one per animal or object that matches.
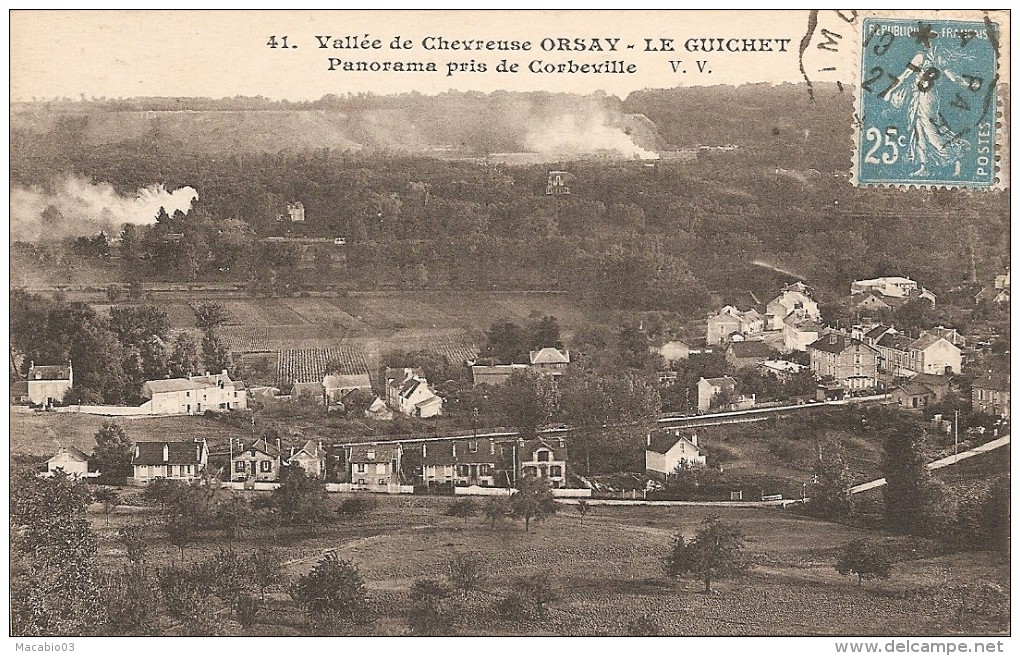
(40, 433)
(359, 327)
(608, 572)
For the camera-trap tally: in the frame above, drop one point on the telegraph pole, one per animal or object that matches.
(956, 436)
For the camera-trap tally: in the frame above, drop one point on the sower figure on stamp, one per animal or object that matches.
(932, 144)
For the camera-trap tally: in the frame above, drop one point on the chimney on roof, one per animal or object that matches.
(694, 439)
(424, 450)
(166, 452)
(138, 451)
(648, 440)
(223, 373)
(198, 451)
(454, 449)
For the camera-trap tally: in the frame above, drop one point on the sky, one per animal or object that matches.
(225, 53)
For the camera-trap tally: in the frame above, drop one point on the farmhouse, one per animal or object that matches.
(195, 394)
(667, 450)
(71, 460)
(730, 323)
(336, 386)
(794, 304)
(408, 392)
(183, 461)
(748, 354)
(912, 395)
(375, 468)
(310, 458)
(259, 462)
(47, 384)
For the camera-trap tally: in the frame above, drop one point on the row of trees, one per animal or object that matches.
(112, 355)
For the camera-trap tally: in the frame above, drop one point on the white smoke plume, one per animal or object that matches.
(75, 207)
(589, 133)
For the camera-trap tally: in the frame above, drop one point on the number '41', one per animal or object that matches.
(274, 44)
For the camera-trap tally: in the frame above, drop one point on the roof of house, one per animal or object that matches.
(480, 372)
(261, 445)
(877, 332)
(796, 287)
(550, 355)
(305, 387)
(783, 366)
(50, 372)
(442, 452)
(380, 453)
(172, 385)
(399, 375)
(932, 380)
(663, 441)
(836, 343)
(894, 341)
(753, 349)
(211, 380)
(558, 448)
(928, 339)
(911, 388)
(345, 381)
(993, 381)
(309, 448)
(74, 452)
(725, 382)
(180, 453)
(377, 405)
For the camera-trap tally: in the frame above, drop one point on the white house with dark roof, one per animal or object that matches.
(259, 462)
(47, 384)
(408, 392)
(375, 468)
(846, 360)
(182, 461)
(311, 457)
(708, 388)
(666, 450)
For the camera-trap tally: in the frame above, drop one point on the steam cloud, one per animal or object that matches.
(589, 133)
(76, 207)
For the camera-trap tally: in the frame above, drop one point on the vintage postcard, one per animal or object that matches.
(510, 323)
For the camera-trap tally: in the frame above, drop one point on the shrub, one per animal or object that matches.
(865, 559)
(356, 506)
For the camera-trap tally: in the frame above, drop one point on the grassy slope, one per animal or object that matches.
(608, 572)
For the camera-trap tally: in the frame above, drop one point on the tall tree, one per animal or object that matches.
(533, 500)
(183, 360)
(906, 492)
(717, 549)
(333, 592)
(112, 454)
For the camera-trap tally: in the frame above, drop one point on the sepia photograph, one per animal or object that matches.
(406, 323)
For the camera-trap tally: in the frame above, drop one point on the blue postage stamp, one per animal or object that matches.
(927, 103)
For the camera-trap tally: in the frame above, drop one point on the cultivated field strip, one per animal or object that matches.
(248, 339)
(309, 365)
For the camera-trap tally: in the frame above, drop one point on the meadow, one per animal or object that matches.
(607, 572)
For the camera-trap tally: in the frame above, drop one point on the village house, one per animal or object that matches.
(182, 461)
(993, 295)
(793, 304)
(743, 355)
(495, 374)
(666, 450)
(846, 360)
(781, 369)
(195, 394)
(460, 462)
(940, 385)
(69, 459)
(912, 395)
(375, 468)
(886, 286)
(951, 334)
(47, 384)
(408, 392)
(797, 335)
(990, 394)
(310, 457)
(730, 323)
(378, 410)
(550, 361)
(336, 386)
(543, 458)
(721, 393)
(894, 354)
(259, 462)
(933, 354)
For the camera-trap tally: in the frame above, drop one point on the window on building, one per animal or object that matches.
(473, 446)
(382, 481)
(542, 455)
(361, 469)
(555, 470)
(239, 466)
(187, 394)
(361, 481)
(371, 455)
(266, 466)
(530, 471)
